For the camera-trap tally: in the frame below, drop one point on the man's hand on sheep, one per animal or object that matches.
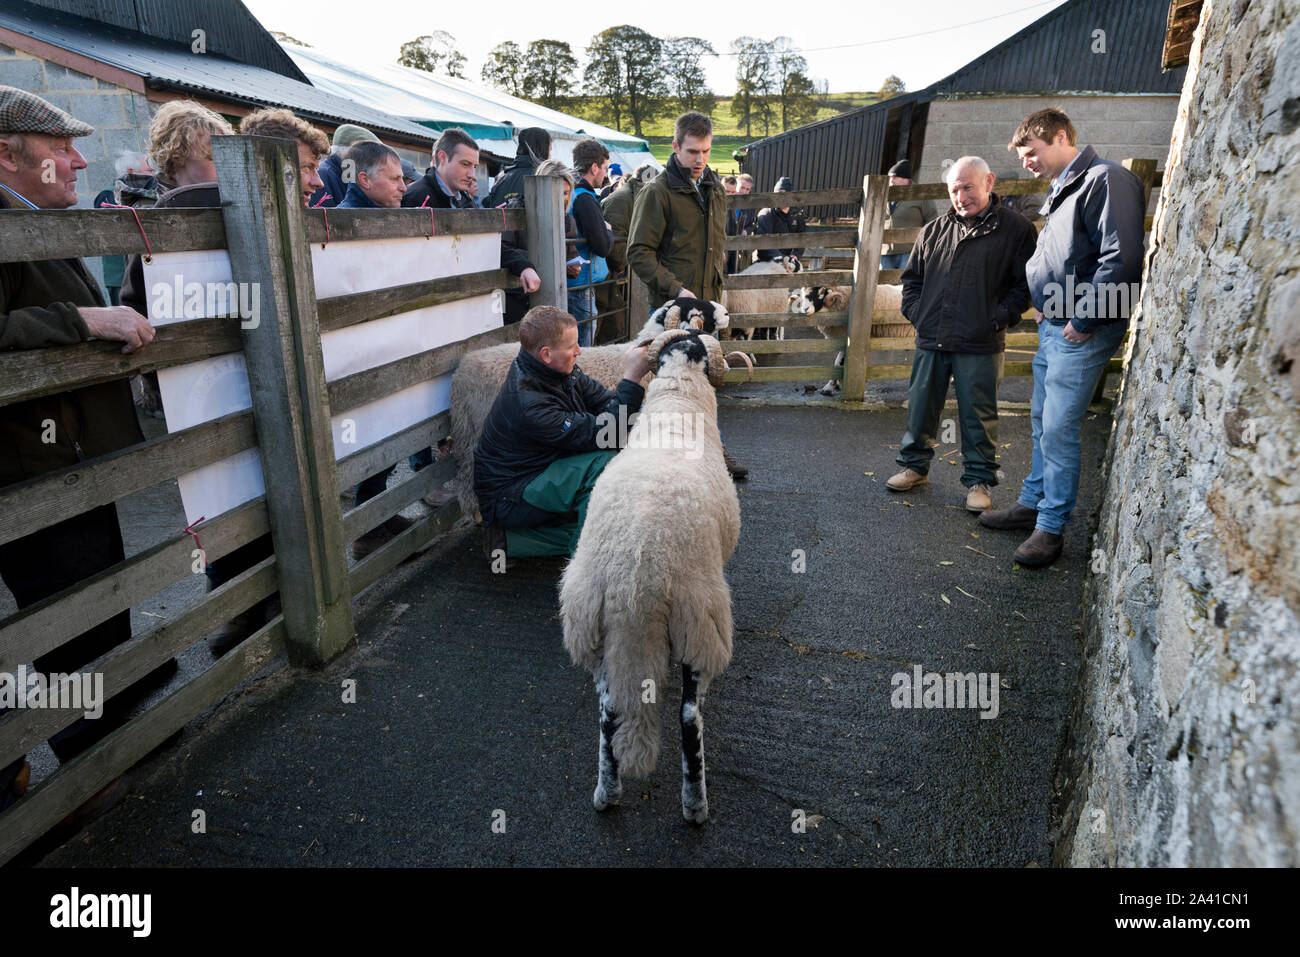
(636, 364)
(530, 280)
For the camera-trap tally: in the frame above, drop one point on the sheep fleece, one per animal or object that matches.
(645, 586)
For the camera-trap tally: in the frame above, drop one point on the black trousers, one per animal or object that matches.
(46, 562)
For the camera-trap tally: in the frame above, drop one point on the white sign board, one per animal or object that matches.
(195, 284)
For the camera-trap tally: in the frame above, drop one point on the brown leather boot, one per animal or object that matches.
(738, 471)
(1017, 516)
(1040, 549)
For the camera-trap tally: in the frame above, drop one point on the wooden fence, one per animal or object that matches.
(267, 231)
(866, 357)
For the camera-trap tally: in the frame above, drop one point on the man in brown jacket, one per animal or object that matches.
(52, 303)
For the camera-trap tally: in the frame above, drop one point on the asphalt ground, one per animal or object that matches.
(472, 739)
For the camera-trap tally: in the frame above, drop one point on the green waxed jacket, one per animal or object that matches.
(678, 236)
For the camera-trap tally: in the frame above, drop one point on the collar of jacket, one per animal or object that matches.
(357, 199)
(680, 178)
(987, 218)
(522, 161)
(1078, 166)
(535, 368)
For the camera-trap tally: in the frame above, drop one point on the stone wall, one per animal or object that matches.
(1184, 748)
(1119, 127)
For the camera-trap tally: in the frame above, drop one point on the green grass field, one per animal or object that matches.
(728, 134)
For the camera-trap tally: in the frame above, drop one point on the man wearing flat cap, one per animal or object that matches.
(52, 303)
(903, 214)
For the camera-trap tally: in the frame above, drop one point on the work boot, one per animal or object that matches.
(978, 498)
(231, 633)
(441, 495)
(1039, 549)
(906, 480)
(738, 471)
(1017, 516)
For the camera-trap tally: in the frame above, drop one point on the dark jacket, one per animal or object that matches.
(539, 416)
(511, 182)
(205, 195)
(38, 307)
(678, 236)
(740, 222)
(330, 172)
(617, 207)
(355, 198)
(595, 238)
(964, 284)
(1093, 235)
(426, 187)
(771, 221)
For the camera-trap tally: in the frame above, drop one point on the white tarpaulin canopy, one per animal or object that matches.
(488, 115)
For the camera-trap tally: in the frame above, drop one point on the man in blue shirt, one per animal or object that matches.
(1084, 278)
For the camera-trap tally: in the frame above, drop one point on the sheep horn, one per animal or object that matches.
(744, 358)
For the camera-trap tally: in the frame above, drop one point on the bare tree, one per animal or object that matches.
(753, 79)
(684, 63)
(794, 90)
(625, 72)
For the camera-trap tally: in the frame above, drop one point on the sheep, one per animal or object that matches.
(809, 300)
(759, 300)
(475, 387)
(684, 312)
(645, 585)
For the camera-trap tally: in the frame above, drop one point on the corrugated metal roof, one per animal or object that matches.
(1055, 54)
(167, 65)
(230, 29)
(1051, 55)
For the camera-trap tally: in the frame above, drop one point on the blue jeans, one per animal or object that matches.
(582, 305)
(1065, 377)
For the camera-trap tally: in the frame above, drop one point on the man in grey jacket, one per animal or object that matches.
(1083, 277)
(964, 285)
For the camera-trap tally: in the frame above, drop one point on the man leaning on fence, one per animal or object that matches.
(963, 287)
(1083, 278)
(591, 163)
(544, 442)
(54, 303)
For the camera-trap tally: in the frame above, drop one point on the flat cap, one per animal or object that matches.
(349, 133)
(902, 168)
(23, 112)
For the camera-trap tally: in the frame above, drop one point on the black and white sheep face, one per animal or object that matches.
(685, 313)
(808, 300)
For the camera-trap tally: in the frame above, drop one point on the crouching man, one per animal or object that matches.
(541, 448)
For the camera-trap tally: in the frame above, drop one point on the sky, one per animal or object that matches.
(865, 32)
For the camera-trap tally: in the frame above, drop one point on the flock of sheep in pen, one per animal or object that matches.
(646, 586)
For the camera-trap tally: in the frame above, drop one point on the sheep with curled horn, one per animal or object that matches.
(646, 585)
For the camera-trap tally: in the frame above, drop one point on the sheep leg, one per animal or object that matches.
(695, 800)
(609, 789)
(833, 385)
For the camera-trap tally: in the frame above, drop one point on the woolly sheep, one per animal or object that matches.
(809, 300)
(759, 300)
(684, 313)
(475, 387)
(645, 585)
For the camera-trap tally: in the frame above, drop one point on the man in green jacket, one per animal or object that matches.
(678, 239)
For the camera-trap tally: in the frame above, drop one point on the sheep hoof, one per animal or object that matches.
(696, 815)
(602, 800)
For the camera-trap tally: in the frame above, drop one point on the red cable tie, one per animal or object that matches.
(320, 203)
(433, 223)
(326, 213)
(189, 530)
(148, 254)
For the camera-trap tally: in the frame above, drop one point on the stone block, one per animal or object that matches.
(99, 109)
(61, 78)
(24, 74)
(128, 138)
